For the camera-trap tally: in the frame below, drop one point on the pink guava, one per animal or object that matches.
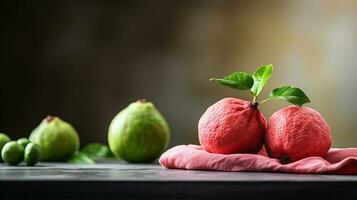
(297, 132)
(232, 126)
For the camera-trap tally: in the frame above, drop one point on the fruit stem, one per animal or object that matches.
(49, 118)
(254, 105)
(284, 159)
(263, 101)
(254, 99)
(142, 100)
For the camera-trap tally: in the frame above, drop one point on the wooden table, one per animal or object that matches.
(116, 180)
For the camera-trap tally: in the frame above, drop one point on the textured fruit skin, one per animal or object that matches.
(58, 139)
(23, 141)
(295, 133)
(232, 126)
(32, 154)
(139, 133)
(12, 153)
(3, 140)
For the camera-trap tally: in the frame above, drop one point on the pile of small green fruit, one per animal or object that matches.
(138, 133)
(14, 152)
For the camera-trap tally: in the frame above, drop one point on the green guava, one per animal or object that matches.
(3, 140)
(139, 133)
(12, 153)
(23, 141)
(32, 154)
(57, 139)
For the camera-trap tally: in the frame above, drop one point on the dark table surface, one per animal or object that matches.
(115, 180)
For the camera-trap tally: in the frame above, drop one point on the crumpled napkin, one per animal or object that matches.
(193, 157)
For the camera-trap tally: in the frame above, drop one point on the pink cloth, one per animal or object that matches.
(338, 161)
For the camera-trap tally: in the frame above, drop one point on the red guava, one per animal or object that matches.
(297, 132)
(232, 126)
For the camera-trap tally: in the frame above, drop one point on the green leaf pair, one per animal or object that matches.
(90, 152)
(244, 81)
(256, 83)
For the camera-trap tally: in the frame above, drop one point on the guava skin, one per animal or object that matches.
(23, 141)
(32, 154)
(297, 132)
(57, 139)
(3, 140)
(139, 133)
(232, 126)
(12, 153)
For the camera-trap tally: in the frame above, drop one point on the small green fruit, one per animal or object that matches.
(12, 153)
(3, 140)
(139, 133)
(32, 154)
(58, 139)
(23, 141)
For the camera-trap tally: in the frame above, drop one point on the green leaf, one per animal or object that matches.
(261, 77)
(90, 152)
(291, 94)
(96, 150)
(237, 80)
(81, 158)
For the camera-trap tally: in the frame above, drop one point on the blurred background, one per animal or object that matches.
(84, 61)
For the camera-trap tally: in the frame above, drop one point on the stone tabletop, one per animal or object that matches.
(149, 172)
(117, 179)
